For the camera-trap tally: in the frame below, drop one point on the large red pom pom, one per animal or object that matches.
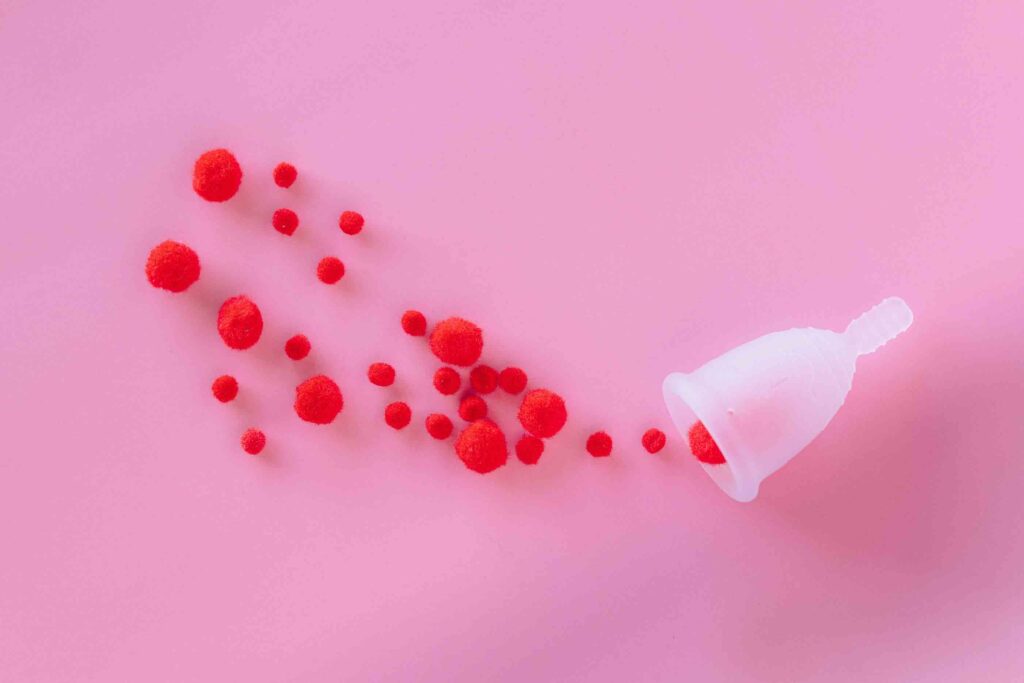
(703, 446)
(481, 446)
(172, 266)
(253, 441)
(653, 440)
(285, 174)
(439, 426)
(239, 322)
(216, 175)
(318, 400)
(599, 444)
(529, 449)
(381, 374)
(512, 380)
(225, 388)
(350, 222)
(457, 342)
(483, 379)
(542, 413)
(414, 323)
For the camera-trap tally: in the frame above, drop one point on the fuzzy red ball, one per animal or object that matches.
(439, 426)
(216, 175)
(414, 323)
(457, 342)
(529, 449)
(542, 413)
(482, 447)
(239, 322)
(447, 381)
(512, 380)
(253, 441)
(703, 446)
(350, 222)
(285, 221)
(397, 414)
(483, 379)
(381, 374)
(330, 270)
(297, 347)
(653, 440)
(472, 408)
(172, 266)
(318, 400)
(599, 445)
(225, 388)
(285, 174)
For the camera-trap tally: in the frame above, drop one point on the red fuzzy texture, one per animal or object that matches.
(330, 270)
(253, 441)
(447, 381)
(481, 446)
(285, 221)
(529, 449)
(318, 400)
(599, 445)
(703, 446)
(172, 266)
(439, 426)
(217, 175)
(297, 347)
(397, 415)
(285, 174)
(457, 342)
(414, 323)
(472, 408)
(542, 413)
(239, 322)
(653, 440)
(225, 388)
(381, 374)
(483, 379)
(512, 380)
(350, 222)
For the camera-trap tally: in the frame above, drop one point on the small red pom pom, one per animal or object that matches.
(542, 413)
(330, 270)
(225, 388)
(318, 400)
(439, 426)
(703, 446)
(381, 374)
(512, 380)
(285, 174)
(529, 449)
(481, 446)
(172, 266)
(285, 221)
(239, 322)
(447, 381)
(653, 440)
(253, 441)
(483, 379)
(472, 408)
(599, 445)
(457, 342)
(217, 175)
(414, 323)
(350, 222)
(297, 347)
(397, 415)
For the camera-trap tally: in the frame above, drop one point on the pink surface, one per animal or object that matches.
(614, 193)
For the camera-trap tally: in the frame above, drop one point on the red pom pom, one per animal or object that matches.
(703, 446)
(457, 342)
(285, 221)
(483, 379)
(381, 374)
(330, 270)
(599, 445)
(225, 388)
(529, 449)
(216, 175)
(318, 400)
(172, 266)
(542, 413)
(653, 440)
(239, 322)
(414, 323)
(439, 426)
(447, 381)
(350, 222)
(297, 347)
(285, 174)
(481, 446)
(253, 441)
(512, 380)
(472, 408)
(397, 415)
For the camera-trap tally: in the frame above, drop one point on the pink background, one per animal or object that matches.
(613, 193)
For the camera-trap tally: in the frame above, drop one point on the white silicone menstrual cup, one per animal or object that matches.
(764, 401)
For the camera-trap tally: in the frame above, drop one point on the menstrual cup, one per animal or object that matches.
(764, 401)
